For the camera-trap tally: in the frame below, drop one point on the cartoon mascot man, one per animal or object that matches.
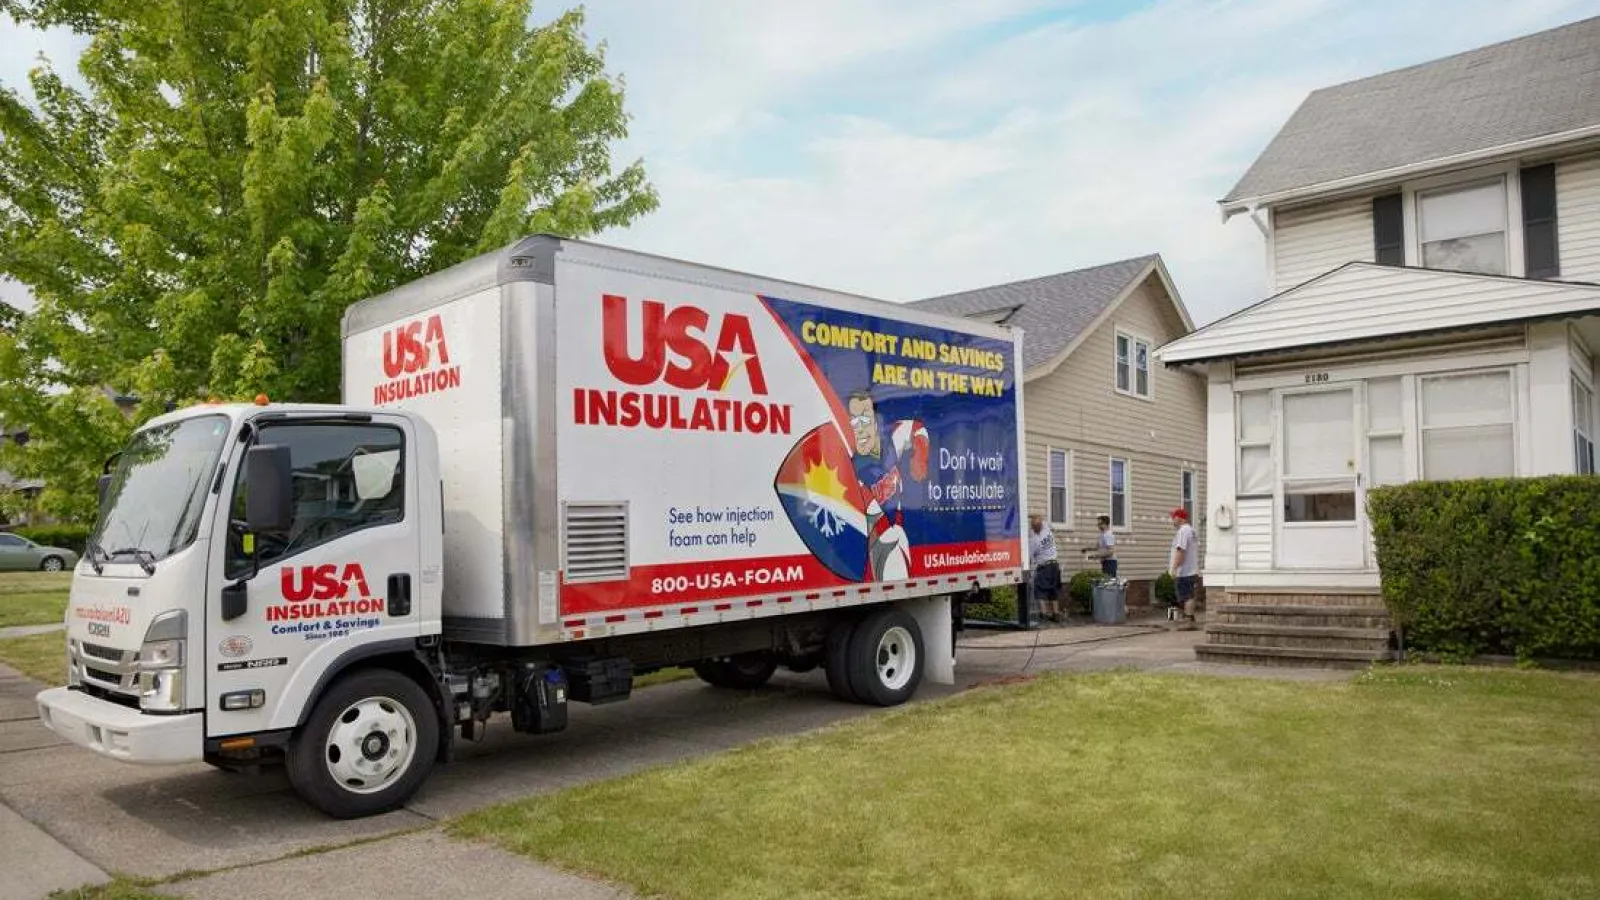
(889, 548)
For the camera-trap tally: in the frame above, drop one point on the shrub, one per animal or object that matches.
(1165, 590)
(1492, 565)
(1080, 590)
(1002, 606)
(71, 537)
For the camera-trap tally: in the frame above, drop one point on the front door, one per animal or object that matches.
(1320, 520)
(343, 575)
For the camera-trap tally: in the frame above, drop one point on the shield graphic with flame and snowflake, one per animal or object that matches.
(825, 501)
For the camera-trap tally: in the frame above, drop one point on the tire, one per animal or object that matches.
(836, 660)
(744, 672)
(52, 564)
(335, 749)
(885, 658)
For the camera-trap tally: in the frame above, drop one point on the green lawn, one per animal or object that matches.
(42, 657)
(1412, 782)
(33, 598)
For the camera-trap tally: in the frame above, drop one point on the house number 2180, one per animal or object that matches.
(1316, 378)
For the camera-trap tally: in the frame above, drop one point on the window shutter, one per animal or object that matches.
(1388, 231)
(1539, 221)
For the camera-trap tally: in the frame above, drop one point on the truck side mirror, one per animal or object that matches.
(268, 497)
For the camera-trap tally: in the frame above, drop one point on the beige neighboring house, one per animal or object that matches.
(1433, 245)
(1109, 432)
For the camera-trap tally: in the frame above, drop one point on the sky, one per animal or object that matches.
(905, 149)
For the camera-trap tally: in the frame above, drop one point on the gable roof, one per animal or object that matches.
(1055, 310)
(1367, 301)
(1541, 86)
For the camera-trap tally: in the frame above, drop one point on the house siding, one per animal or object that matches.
(1077, 408)
(1310, 240)
(1254, 524)
(1578, 218)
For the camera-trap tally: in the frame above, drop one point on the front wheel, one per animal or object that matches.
(367, 746)
(52, 564)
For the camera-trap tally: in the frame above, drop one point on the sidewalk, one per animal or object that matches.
(17, 631)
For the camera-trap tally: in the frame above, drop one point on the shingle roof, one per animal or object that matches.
(1051, 311)
(1530, 87)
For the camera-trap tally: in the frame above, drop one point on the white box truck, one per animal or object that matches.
(560, 465)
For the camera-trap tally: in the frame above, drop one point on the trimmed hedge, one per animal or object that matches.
(1002, 606)
(71, 537)
(1492, 565)
(1165, 589)
(1080, 590)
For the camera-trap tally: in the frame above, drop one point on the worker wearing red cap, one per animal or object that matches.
(1184, 565)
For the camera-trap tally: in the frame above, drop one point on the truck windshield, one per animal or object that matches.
(157, 491)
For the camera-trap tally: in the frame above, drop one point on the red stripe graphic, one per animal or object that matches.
(702, 581)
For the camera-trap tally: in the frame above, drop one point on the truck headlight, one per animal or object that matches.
(161, 662)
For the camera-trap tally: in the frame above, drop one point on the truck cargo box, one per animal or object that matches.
(630, 443)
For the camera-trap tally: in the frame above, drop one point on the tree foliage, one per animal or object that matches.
(237, 172)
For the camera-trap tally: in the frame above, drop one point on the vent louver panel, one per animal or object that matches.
(595, 542)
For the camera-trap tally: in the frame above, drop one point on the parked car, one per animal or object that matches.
(17, 552)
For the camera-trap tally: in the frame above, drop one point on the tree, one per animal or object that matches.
(239, 171)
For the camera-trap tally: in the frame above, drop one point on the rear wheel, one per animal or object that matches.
(52, 564)
(836, 660)
(367, 746)
(744, 672)
(885, 658)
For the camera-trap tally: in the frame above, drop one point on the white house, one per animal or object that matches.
(1432, 237)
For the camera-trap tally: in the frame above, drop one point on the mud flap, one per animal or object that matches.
(938, 637)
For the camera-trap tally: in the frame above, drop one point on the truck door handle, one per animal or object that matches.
(400, 595)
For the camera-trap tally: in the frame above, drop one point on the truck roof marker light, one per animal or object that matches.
(261, 400)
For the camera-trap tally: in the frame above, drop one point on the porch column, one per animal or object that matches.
(1546, 431)
(1221, 470)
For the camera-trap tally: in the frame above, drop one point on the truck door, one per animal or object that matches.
(341, 578)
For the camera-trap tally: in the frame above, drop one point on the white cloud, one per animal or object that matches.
(1068, 144)
(904, 149)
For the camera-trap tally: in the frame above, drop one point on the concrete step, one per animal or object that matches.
(1298, 609)
(1289, 656)
(1319, 619)
(1302, 638)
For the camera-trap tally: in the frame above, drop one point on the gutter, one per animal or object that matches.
(1231, 208)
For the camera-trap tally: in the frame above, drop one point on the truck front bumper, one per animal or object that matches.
(119, 732)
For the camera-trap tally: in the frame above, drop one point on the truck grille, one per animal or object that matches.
(595, 542)
(107, 672)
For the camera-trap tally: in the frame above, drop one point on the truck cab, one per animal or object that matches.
(246, 559)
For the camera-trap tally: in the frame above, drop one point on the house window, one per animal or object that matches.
(1059, 468)
(1255, 444)
(1467, 426)
(1464, 228)
(1133, 365)
(1583, 427)
(1186, 493)
(1386, 462)
(1119, 493)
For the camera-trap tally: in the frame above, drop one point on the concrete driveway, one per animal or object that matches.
(160, 821)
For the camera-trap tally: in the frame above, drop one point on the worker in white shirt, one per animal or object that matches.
(1046, 568)
(1184, 565)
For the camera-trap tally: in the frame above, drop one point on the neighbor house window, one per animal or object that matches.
(1059, 468)
(1133, 365)
(1583, 427)
(1186, 491)
(1464, 228)
(1467, 426)
(1119, 493)
(1255, 444)
(1386, 461)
